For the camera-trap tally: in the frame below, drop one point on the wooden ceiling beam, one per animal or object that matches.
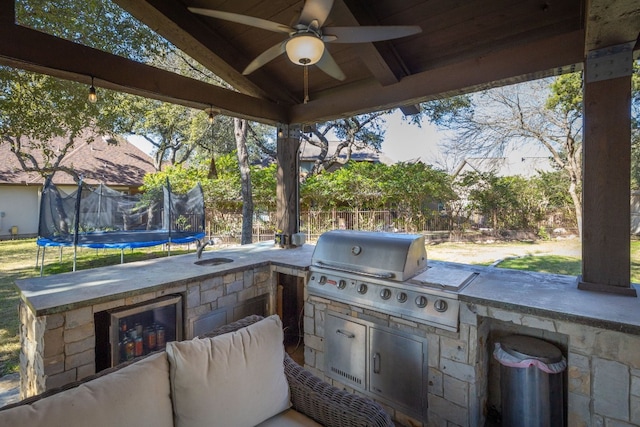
(381, 58)
(377, 63)
(7, 12)
(533, 60)
(611, 22)
(32, 50)
(188, 32)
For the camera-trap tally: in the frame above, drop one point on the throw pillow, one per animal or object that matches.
(236, 379)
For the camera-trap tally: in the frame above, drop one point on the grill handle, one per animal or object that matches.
(388, 275)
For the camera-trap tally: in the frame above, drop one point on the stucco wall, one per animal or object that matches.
(20, 205)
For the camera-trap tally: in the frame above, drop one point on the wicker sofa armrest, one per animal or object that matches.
(329, 405)
(319, 400)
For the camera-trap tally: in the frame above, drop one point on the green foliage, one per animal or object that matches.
(414, 186)
(566, 93)
(264, 182)
(507, 203)
(222, 194)
(413, 190)
(543, 233)
(182, 179)
(355, 185)
(100, 24)
(443, 111)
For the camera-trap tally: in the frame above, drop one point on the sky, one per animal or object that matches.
(405, 141)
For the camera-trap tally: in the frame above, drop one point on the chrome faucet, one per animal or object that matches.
(201, 246)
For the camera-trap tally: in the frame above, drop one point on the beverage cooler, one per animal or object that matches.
(140, 330)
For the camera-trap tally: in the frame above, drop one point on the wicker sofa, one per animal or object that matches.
(222, 379)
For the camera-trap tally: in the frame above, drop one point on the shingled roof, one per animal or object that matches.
(110, 160)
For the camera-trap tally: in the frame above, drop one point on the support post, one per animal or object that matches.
(287, 194)
(606, 231)
(7, 12)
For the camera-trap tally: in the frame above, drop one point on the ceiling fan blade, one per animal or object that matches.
(369, 34)
(329, 66)
(315, 10)
(267, 56)
(244, 19)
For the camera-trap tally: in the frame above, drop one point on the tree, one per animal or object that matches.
(509, 203)
(635, 126)
(541, 112)
(35, 108)
(416, 190)
(353, 132)
(368, 130)
(240, 131)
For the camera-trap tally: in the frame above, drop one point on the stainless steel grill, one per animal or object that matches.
(386, 272)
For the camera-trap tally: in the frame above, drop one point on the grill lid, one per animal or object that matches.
(394, 256)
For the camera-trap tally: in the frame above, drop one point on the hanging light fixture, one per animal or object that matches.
(305, 48)
(93, 96)
(211, 115)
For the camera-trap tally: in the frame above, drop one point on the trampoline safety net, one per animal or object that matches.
(100, 217)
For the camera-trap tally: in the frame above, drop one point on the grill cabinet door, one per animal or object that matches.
(396, 369)
(345, 351)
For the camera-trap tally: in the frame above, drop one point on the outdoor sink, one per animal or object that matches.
(213, 261)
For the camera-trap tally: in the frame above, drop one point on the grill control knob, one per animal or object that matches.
(342, 284)
(385, 293)
(362, 288)
(402, 297)
(323, 280)
(440, 305)
(421, 301)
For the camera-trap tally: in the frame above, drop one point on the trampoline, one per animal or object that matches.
(102, 218)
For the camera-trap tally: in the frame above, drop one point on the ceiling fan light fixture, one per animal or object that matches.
(304, 49)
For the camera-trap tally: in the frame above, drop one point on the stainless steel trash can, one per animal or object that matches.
(531, 385)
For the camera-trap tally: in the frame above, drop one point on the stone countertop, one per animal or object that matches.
(552, 296)
(62, 292)
(546, 295)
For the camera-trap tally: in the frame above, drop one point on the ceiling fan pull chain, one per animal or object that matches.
(306, 84)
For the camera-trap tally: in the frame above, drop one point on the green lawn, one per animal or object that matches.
(566, 264)
(545, 264)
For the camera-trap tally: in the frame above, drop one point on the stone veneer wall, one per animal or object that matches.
(602, 381)
(603, 374)
(60, 348)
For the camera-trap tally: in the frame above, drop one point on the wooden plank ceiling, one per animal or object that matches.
(464, 45)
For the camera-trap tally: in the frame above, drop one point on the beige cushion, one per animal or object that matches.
(232, 380)
(137, 395)
(289, 418)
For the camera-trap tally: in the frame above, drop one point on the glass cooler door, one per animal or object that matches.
(145, 328)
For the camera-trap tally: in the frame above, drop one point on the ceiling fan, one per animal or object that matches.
(306, 40)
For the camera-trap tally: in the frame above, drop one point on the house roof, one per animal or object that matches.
(505, 166)
(98, 159)
(310, 152)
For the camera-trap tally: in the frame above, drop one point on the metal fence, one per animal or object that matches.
(227, 227)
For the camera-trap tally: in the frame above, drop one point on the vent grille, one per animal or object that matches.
(346, 375)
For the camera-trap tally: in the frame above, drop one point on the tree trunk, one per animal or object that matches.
(240, 132)
(213, 170)
(577, 205)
